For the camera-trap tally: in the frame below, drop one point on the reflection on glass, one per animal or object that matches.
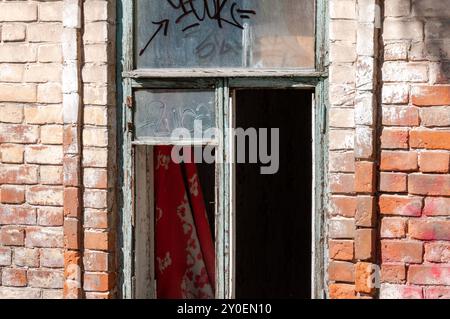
(160, 112)
(234, 33)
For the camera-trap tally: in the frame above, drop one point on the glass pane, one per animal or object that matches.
(162, 113)
(221, 33)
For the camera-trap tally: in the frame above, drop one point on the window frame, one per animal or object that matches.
(224, 80)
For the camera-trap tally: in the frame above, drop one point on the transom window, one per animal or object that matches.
(186, 63)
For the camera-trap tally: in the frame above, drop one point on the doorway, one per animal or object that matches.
(273, 213)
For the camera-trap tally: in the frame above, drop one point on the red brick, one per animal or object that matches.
(437, 292)
(393, 273)
(342, 162)
(18, 174)
(26, 257)
(393, 227)
(12, 194)
(72, 202)
(45, 195)
(95, 261)
(12, 236)
(72, 174)
(50, 216)
(5, 256)
(365, 212)
(394, 138)
(342, 228)
(19, 133)
(389, 291)
(342, 183)
(343, 206)
(365, 277)
(400, 205)
(52, 258)
(401, 161)
(94, 218)
(72, 233)
(428, 95)
(434, 162)
(437, 252)
(430, 139)
(393, 182)
(427, 184)
(342, 291)
(429, 229)
(365, 244)
(97, 281)
(400, 116)
(437, 206)
(401, 251)
(96, 240)
(40, 278)
(341, 271)
(365, 177)
(51, 237)
(17, 215)
(14, 277)
(341, 249)
(429, 275)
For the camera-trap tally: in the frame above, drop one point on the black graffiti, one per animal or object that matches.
(201, 11)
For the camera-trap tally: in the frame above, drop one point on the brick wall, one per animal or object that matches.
(415, 150)
(388, 208)
(55, 156)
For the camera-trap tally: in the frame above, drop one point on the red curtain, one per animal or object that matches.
(183, 241)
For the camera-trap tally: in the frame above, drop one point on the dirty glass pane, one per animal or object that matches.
(224, 33)
(160, 112)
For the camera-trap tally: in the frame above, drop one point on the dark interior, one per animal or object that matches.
(273, 212)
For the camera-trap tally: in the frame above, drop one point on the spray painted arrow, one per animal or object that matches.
(162, 24)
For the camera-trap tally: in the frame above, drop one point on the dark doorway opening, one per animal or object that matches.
(273, 212)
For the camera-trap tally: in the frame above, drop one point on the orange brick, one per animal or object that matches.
(400, 205)
(341, 271)
(430, 139)
(404, 251)
(12, 194)
(393, 273)
(434, 162)
(401, 161)
(394, 138)
(431, 95)
(429, 184)
(341, 249)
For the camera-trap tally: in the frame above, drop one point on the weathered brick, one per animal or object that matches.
(395, 94)
(45, 195)
(11, 72)
(394, 273)
(51, 237)
(14, 277)
(50, 216)
(365, 277)
(342, 291)
(95, 261)
(365, 211)
(18, 133)
(97, 281)
(393, 227)
(365, 177)
(394, 138)
(11, 153)
(95, 178)
(11, 92)
(437, 252)
(13, 32)
(95, 218)
(435, 116)
(12, 236)
(342, 162)
(44, 114)
(402, 161)
(51, 175)
(403, 30)
(341, 271)
(437, 206)
(19, 293)
(17, 215)
(429, 184)
(342, 183)
(341, 139)
(430, 139)
(48, 154)
(50, 53)
(341, 249)
(26, 257)
(96, 240)
(51, 134)
(93, 198)
(5, 256)
(431, 95)
(400, 116)
(41, 278)
(434, 162)
(404, 251)
(11, 113)
(437, 292)
(44, 32)
(49, 93)
(393, 182)
(50, 11)
(52, 258)
(400, 205)
(397, 8)
(429, 274)
(18, 11)
(429, 229)
(18, 174)
(12, 194)
(398, 71)
(389, 291)
(365, 244)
